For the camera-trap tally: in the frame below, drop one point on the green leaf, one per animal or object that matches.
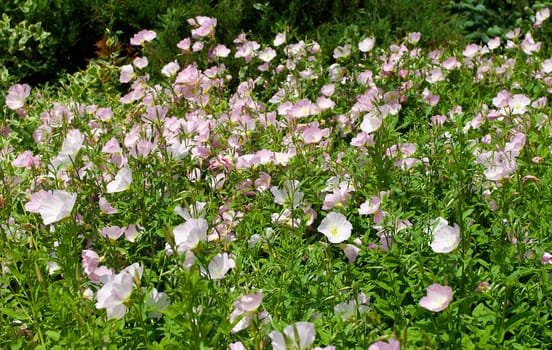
(53, 335)
(515, 321)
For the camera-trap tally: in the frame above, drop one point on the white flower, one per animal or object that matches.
(336, 227)
(298, 336)
(220, 265)
(122, 181)
(117, 290)
(188, 235)
(445, 238)
(289, 194)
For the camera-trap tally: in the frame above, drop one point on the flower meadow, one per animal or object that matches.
(274, 196)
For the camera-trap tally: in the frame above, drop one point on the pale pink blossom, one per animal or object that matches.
(366, 44)
(370, 206)
(27, 160)
(112, 232)
(105, 207)
(143, 36)
(157, 302)
(17, 95)
(437, 298)
(115, 293)
(52, 206)
(127, 73)
(391, 344)
(203, 26)
(140, 62)
(170, 69)
(244, 309)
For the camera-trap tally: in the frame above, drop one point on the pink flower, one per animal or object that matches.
(246, 305)
(17, 95)
(157, 301)
(541, 16)
(471, 50)
(529, 46)
(289, 195)
(546, 258)
(437, 299)
(52, 206)
(414, 37)
(203, 26)
(518, 104)
(221, 51)
(313, 134)
(72, 143)
(370, 123)
(114, 296)
(350, 308)
(370, 206)
(142, 37)
(236, 346)
(170, 69)
(279, 39)
(366, 45)
(184, 44)
(304, 108)
(90, 264)
(393, 344)
(140, 62)
(127, 73)
(106, 208)
(112, 232)
(26, 160)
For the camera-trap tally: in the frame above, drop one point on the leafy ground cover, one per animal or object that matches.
(397, 198)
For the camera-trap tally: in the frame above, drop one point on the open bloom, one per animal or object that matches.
(122, 181)
(336, 227)
(188, 235)
(445, 238)
(246, 305)
(17, 95)
(290, 194)
(350, 308)
(220, 265)
(437, 299)
(52, 206)
(298, 336)
(142, 37)
(115, 294)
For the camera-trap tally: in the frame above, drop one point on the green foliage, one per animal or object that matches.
(269, 172)
(484, 19)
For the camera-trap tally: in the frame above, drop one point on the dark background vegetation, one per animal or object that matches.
(79, 28)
